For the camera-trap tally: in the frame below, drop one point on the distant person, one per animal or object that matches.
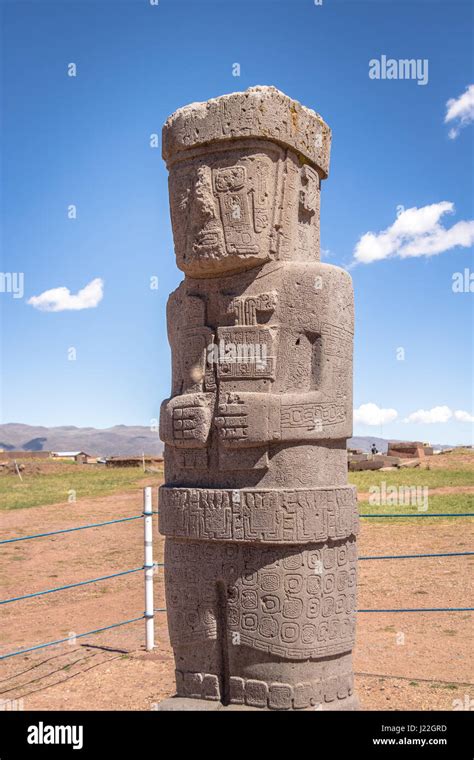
(374, 449)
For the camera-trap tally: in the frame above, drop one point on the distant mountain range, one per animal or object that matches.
(120, 440)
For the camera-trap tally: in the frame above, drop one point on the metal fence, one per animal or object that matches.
(147, 568)
(149, 565)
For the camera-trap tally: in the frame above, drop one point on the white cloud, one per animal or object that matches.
(371, 414)
(61, 299)
(415, 232)
(430, 416)
(463, 416)
(460, 109)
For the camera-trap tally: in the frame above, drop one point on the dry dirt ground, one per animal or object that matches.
(402, 660)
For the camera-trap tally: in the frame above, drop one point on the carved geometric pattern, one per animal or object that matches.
(291, 603)
(296, 516)
(276, 696)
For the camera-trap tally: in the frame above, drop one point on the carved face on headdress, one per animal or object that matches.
(224, 210)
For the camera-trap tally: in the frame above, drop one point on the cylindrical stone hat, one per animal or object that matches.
(258, 113)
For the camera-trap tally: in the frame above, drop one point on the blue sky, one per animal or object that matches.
(85, 140)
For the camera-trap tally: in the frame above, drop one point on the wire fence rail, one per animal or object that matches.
(423, 609)
(421, 514)
(70, 530)
(69, 638)
(149, 567)
(418, 556)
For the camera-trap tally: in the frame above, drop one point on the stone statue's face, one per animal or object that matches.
(223, 211)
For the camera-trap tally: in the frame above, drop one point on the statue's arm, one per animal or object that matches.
(253, 419)
(185, 417)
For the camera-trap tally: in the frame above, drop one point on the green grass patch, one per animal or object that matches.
(436, 478)
(446, 503)
(40, 489)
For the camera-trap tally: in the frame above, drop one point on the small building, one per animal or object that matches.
(80, 457)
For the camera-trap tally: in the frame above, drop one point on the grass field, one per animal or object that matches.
(64, 482)
(455, 503)
(453, 472)
(462, 475)
(53, 482)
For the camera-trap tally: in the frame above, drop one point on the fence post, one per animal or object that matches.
(148, 567)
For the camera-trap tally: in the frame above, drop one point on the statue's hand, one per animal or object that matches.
(185, 420)
(244, 419)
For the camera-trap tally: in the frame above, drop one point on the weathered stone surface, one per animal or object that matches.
(260, 524)
(257, 112)
(180, 704)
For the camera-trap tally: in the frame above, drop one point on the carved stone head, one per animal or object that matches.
(245, 174)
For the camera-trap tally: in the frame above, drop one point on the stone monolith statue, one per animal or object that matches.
(260, 524)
